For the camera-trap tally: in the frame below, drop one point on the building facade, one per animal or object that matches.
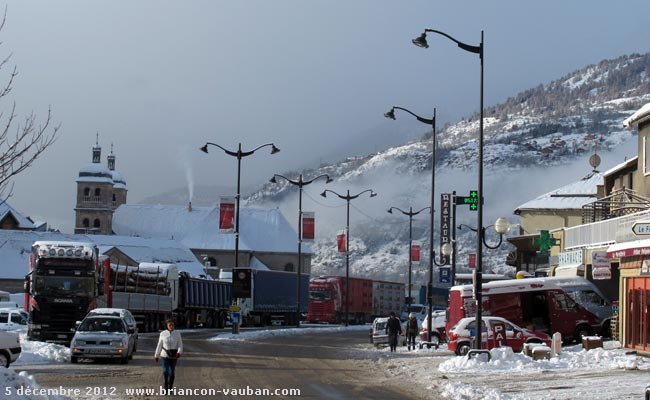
(100, 191)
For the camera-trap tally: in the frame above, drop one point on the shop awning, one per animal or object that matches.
(629, 249)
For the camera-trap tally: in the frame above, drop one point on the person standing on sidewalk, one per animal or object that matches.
(393, 329)
(170, 348)
(411, 331)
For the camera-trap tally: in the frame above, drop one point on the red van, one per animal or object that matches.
(572, 306)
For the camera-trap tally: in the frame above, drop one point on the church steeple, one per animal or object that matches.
(111, 160)
(97, 151)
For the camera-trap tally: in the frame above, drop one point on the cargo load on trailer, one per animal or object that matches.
(154, 292)
(60, 288)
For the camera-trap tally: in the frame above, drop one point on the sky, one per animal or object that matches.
(158, 79)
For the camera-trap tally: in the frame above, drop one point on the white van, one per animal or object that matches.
(12, 319)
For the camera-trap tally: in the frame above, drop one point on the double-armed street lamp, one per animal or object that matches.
(300, 183)
(239, 154)
(348, 197)
(410, 213)
(421, 41)
(501, 226)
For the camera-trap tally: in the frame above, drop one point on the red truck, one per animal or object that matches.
(368, 299)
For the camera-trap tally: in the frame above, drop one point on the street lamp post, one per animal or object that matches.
(409, 214)
(347, 198)
(300, 183)
(421, 41)
(446, 249)
(239, 154)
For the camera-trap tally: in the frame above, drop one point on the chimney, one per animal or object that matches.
(189, 207)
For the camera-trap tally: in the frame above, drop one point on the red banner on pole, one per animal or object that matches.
(472, 260)
(415, 252)
(227, 215)
(308, 225)
(341, 242)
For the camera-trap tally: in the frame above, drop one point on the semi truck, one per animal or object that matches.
(154, 292)
(273, 298)
(572, 306)
(368, 299)
(60, 288)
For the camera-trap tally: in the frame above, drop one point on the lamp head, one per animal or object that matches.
(329, 180)
(274, 149)
(373, 194)
(421, 41)
(390, 114)
(447, 249)
(501, 225)
(390, 210)
(204, 148)
(272, 180)
(324, 194)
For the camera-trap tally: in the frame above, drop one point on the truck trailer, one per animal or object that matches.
(368, 299)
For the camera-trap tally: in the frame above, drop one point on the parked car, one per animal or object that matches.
(103, 336)
(125, 314)
(461, 336)
(378, 335)
(439, 319)
(9, 348)
(12, 319)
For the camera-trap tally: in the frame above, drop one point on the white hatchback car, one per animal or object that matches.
(102, 336)
(378, 335)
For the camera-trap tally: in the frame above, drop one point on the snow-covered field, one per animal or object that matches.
(607, 373)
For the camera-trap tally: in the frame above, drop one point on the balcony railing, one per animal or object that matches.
(602, 233)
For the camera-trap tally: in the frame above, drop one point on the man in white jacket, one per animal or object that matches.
(170, 347)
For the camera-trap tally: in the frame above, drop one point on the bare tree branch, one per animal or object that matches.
(19, 150)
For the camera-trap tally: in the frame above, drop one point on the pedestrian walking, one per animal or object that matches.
(411, 331)
(393, 329)
(170, 348)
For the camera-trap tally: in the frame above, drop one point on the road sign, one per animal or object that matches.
(445, 275)
(471, 200)
(641, 228)
(235, 318)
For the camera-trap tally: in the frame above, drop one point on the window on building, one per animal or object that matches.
(96, 223)
(98, 192)
(289, 267)
(86, 192)
(114, 197)
(86, 223)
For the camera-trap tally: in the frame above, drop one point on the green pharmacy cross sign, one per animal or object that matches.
(544, 241)
(471, 200)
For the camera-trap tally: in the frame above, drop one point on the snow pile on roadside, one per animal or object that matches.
(41, 353)
(22, 386)
(253, 335)
(504, 359)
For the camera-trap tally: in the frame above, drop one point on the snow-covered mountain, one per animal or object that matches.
(536, 141)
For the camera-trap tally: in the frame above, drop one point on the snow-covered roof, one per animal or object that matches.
(23, 222)
(568, 197)
(261, 229)
(639, 116)
(623, 165)
(15, 248)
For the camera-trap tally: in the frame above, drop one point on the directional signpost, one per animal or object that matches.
(471, 200)
(641, 228)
